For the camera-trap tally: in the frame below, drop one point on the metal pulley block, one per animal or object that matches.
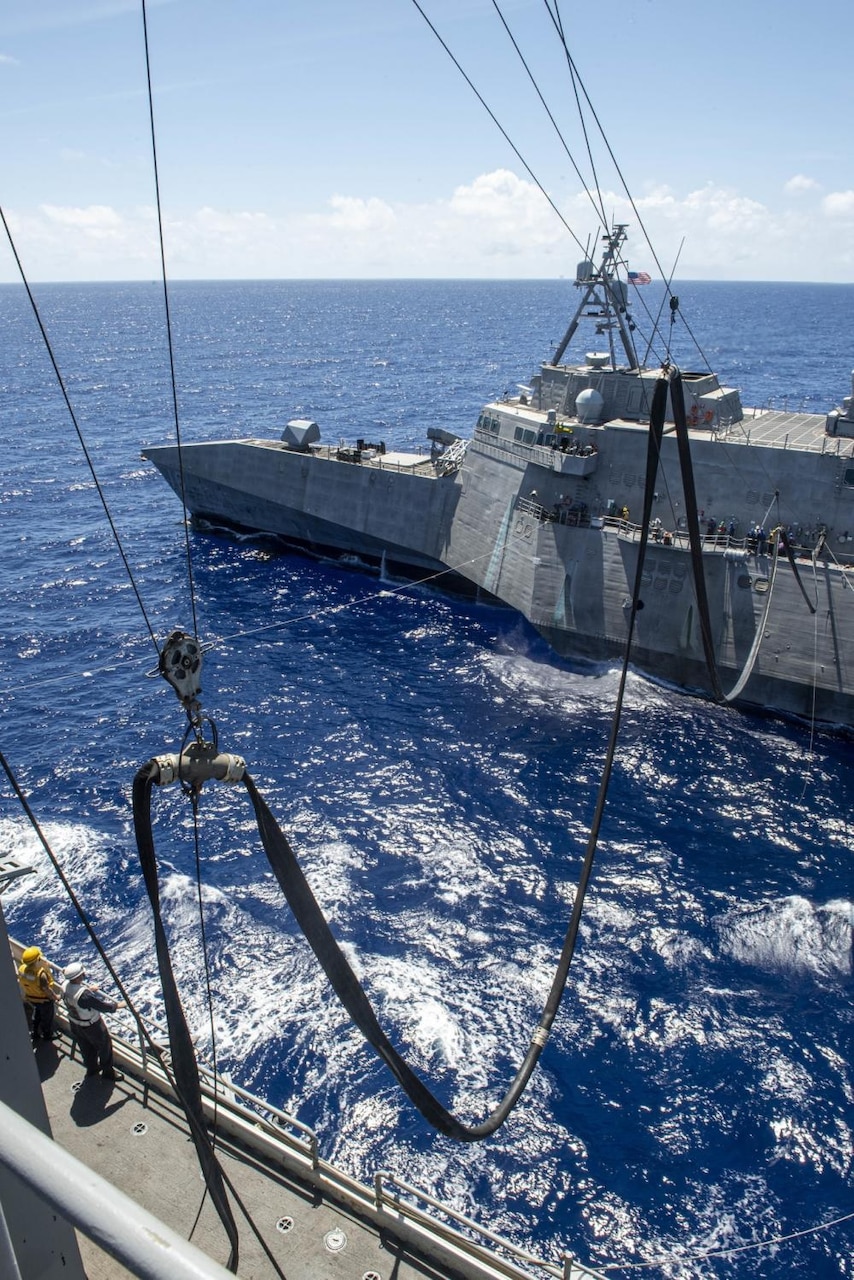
(181, 664)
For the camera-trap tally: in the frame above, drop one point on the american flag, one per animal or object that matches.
(640, 277)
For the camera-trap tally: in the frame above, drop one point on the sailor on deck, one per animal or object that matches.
(85, 1005)
(40, 994)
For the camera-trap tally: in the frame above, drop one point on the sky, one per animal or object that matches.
(336, 138)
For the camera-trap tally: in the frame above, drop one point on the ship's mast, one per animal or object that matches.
(605, 299)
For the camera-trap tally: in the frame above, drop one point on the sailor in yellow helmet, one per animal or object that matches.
(39, 992)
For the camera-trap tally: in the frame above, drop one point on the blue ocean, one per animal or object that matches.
(436, 768)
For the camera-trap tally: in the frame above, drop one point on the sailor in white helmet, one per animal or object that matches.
(85, 1004)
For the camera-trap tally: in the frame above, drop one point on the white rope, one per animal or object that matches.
(322, 612)
(727, 1253)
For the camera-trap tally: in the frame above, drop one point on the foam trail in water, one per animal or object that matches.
(792, 935)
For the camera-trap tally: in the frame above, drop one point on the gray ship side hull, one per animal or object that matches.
(321, 505)
(572, 583)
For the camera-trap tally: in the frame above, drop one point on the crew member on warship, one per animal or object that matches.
(40, 993)
(85, 1005)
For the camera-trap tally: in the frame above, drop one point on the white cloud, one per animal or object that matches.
(361, 216)
(496, 196)
(95, 220)
(800, 183)
(8, 61)
(498, 225)
(839, 204)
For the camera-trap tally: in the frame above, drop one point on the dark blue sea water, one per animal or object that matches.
(436, 768)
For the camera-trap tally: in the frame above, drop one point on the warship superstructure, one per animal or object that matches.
(541, 509)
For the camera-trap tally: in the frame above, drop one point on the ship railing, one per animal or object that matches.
(275, 1121)
(559, 513)
(496, 447)
(388, 1189)
(287, 1142)
(580, 460)
(741, 432)
(142, 1243)
(217, 1089)
(717, 541)
(725, 543)
(531, 507)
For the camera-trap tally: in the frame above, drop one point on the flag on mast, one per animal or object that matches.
(640, 277)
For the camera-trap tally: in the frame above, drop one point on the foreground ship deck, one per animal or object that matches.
(315, 1220)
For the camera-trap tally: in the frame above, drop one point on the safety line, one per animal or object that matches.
(316, 929)
(328, 610)
(218, 641)
(500, 127)
(153, 1046)
(682, 1259)
(173, 382)
(68, 405)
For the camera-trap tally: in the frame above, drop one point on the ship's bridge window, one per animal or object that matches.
(848, 478)
(524, 435)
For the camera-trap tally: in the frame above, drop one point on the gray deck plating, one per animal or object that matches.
(134, 1135)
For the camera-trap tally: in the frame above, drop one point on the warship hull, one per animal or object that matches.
(549, 533)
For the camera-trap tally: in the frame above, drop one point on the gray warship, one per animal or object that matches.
(541, 509)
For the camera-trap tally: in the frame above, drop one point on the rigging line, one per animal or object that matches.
(664, 297)
(155, 1048)
(173, 383)
(331, 956)
(639, 298)
(698, 345)
(219, 641)
(775, 499)
(599, 211)
(574, 81)
(328, 610)
(73, 416)
(681, 1259)
(558, 25)
(840, 566)
(12, 690)
(499, 126)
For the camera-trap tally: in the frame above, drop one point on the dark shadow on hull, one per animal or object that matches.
(445, 580)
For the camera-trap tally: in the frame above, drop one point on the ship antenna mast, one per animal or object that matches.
(605, 298)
